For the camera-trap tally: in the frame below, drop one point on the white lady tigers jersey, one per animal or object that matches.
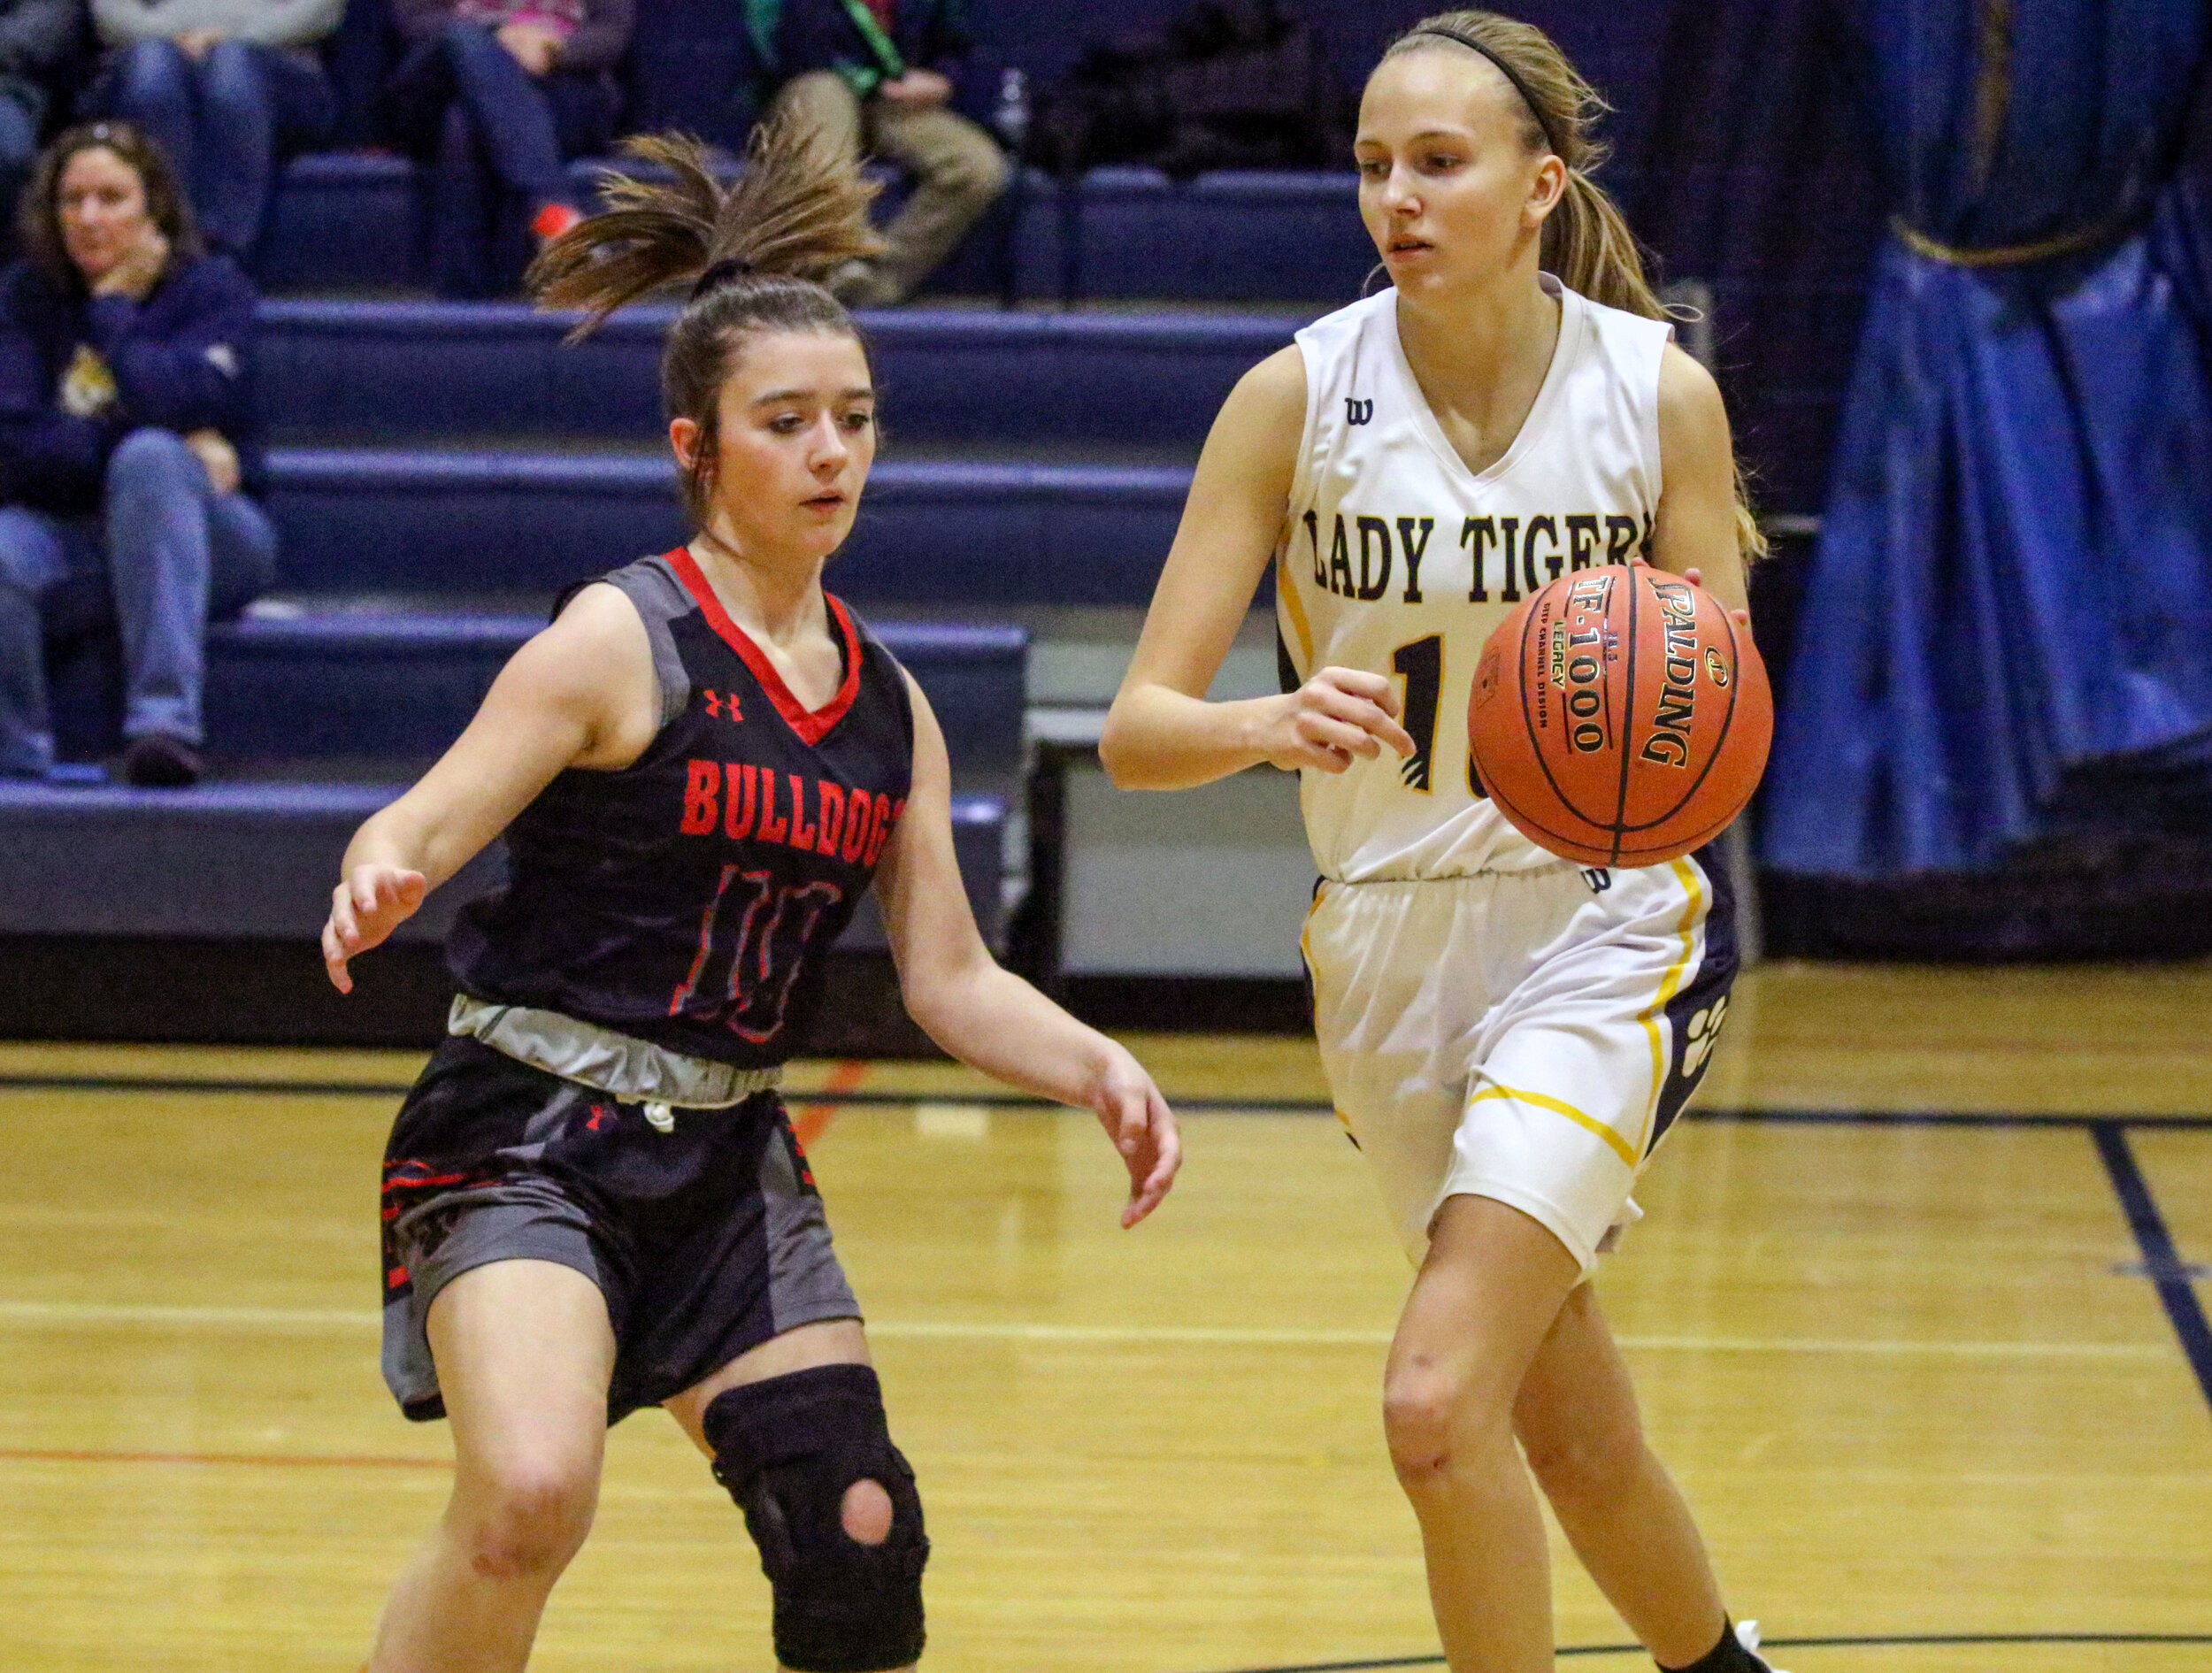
(1398, 559)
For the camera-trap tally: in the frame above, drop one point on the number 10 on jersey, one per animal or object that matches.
(763, 932)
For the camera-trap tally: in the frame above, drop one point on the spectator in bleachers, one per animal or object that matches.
(36, 37)
(499, 94)
(228, 88)
(124, 443)
(881, 74)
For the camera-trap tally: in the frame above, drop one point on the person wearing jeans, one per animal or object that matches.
(124, 443)
(879, 75)
(228, 88)
(496, 96)
(173, 551)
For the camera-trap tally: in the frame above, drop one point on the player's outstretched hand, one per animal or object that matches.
(1142, 1128)
(365, 909)
(1339, 713)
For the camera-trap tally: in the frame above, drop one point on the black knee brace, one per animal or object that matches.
(786, 1449)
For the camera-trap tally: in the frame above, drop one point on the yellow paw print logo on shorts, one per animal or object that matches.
(1704, 1029)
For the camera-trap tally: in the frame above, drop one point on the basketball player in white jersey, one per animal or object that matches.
(1507, 1034)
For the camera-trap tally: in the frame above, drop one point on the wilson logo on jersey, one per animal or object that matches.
(1358, 412)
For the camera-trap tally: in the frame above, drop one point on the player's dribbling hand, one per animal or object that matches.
(1143, 1129)
(366, 909)
(1339, 713)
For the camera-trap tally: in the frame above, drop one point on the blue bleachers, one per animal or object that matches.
(256, 861)
(489, 492)
(396, 371)
(1238, 236)
(353, 221)
(324, 716)
(953, 531)
(397, 686)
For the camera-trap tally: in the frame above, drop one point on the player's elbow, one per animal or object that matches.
(939, 995)
(1114, 753)
(1121, 751)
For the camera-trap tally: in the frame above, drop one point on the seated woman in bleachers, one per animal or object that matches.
(228, 88)
(125, 444)
(499, 94)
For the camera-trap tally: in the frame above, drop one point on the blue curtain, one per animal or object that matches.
(1760, 107)
(2007, 632)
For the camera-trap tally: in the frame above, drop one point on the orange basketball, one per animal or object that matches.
(1620, 717)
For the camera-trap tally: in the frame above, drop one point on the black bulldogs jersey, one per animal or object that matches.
(688, 899)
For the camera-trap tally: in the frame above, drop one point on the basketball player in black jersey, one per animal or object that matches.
(594, 1201)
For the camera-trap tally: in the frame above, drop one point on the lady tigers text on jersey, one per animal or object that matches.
(1497, 548)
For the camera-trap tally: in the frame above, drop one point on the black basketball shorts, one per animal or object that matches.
(706, 1239)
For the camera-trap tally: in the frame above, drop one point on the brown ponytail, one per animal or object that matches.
(753, 254)
(1587, 240)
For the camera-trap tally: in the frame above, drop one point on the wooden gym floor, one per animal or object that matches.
(1912, 1313)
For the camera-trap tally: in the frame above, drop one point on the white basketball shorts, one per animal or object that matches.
(1524, 1036)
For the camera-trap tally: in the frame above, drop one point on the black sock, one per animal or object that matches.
(1727, 1656)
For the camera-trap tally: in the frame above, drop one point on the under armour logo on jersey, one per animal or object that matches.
(715, 702)
(1357, 411)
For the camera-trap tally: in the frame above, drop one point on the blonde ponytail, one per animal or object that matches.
(1586, 241)
(1587, 244)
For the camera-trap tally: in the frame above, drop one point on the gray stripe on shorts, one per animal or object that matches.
(520, 1219)
(805, 1282)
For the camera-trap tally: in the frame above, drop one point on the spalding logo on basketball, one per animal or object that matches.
(1620, 717)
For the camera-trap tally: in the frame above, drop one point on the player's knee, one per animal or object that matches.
(527, 1521)
(1418, 1404)
(866, 1513)
(157, 456)
(1432, 1418)
(977, 174)
(832, 1507)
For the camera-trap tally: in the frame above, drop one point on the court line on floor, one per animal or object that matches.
(259, 1461)
(2162, 1259)
(1900, 1640)
(93, 1314)
(1241, 1336)
(255, 1318)
(862, 1097)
